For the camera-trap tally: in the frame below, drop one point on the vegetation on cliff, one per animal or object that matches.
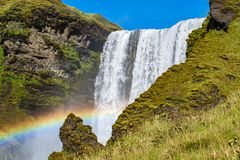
(49, 57)
(22, 10)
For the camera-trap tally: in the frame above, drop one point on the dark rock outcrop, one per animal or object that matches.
(77, 138)
(221, 16)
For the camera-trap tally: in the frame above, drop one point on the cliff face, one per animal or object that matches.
(49, 52)
(209, 75)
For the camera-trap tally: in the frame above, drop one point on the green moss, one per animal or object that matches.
(197, 35)
(50, 42)
(104, 22)
(70, 55)
(24, 7)
(58, 82)
(68, 52)
(15, 33)
(23, 94)
(234, 5)
(85, 66)
(94, 55)
(230, 5)
(13, 92)
(1, 59)
(77, 138)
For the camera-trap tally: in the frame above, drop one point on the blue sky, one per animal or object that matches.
(144, 14)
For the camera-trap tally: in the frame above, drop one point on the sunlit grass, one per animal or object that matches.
(206, 135)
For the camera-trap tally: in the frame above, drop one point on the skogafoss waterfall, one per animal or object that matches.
(130, 63)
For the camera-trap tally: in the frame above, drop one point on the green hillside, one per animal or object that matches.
(23, 9)
(198, 136)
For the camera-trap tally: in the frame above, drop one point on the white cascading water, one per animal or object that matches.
(130, 63)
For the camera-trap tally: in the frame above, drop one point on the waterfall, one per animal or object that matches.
(130, 63)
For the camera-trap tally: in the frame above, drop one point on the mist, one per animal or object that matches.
(37, 145)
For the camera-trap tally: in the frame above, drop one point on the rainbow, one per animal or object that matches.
(45, 122)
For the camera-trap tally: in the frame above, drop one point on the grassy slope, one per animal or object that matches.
(202, 135)
(210, 74)
(25, 7)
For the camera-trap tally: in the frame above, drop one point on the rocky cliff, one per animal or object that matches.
(49, 52)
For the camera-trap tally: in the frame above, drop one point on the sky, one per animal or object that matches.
(144, 14)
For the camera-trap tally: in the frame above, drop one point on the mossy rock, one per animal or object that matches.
(77, 139)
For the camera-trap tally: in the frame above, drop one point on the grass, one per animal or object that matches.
(104, 22)
(202, 135)
(23, 9)
(98, 19)
(210, 74)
